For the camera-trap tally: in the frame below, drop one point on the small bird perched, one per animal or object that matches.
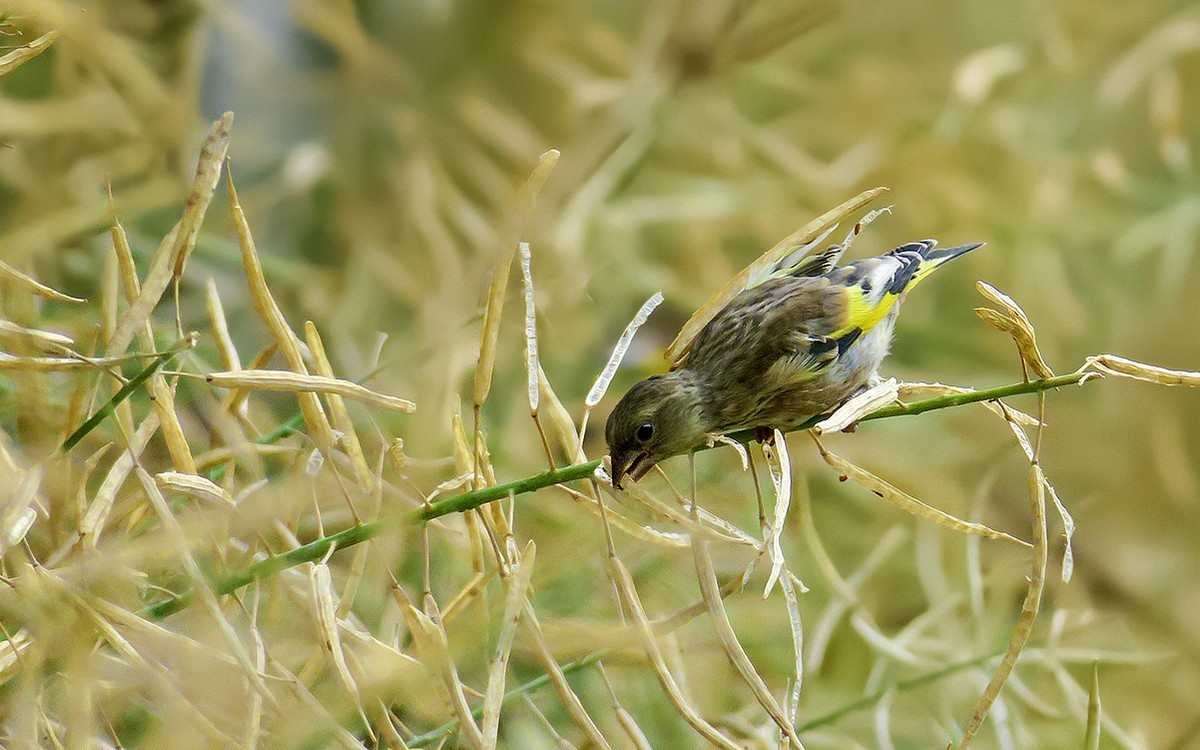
(796, 342)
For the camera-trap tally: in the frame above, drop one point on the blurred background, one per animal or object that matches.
(376, 144)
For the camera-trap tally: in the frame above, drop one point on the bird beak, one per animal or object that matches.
(632, 465)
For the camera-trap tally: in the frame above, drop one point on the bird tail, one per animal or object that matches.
(932, 259)
(872, 286)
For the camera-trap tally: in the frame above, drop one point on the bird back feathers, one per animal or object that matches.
(871, 286)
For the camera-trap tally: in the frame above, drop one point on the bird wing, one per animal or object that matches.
(789, 257)
(817, 320)
(809, 327)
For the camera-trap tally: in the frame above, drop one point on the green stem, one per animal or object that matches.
(282, 430)
(471, 500)
(944, 402)
(990, 394)
(433, 735)
(863, 703)
(867, 701)
(126, 391)
(317, 549)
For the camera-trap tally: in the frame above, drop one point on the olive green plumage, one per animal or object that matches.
(794, 346)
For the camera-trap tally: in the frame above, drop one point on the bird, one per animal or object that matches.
(795, 343)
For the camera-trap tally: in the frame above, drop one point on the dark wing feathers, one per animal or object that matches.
(819, 264)
(824, 350)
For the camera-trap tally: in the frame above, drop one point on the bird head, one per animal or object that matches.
(658, 418)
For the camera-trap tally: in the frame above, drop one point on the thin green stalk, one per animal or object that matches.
(944, 402)
(867, 701)
(471, 500)
(990, 394)
(433, 735)
(863, 703)
(126, 391)
(282, 430)
(318, 548)
(314, 550)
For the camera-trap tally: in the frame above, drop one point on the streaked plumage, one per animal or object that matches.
(797, 344)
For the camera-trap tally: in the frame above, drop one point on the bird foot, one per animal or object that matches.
(764, 435)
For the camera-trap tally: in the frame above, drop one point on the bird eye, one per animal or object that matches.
(645, 432)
